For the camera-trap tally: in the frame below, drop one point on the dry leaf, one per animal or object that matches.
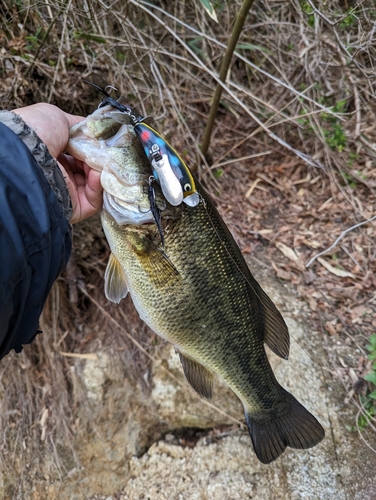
(284, 275)
(311, 243)
(287, 251)
(290, 254)
(330, 328)
(312, 302)
(334, 270)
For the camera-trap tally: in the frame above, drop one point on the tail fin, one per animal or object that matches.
(292, 426)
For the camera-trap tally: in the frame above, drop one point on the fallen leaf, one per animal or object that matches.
(290, 254)
(265, 231)
(17, 44)
(330, 328)
(284, 275)
(335, 270)
(287, 251)
(309, 277)
(311, 243)
(312, 302)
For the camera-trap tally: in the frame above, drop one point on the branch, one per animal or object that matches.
(240, 20)
(339, 239)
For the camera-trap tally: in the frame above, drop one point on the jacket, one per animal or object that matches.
(35, 234)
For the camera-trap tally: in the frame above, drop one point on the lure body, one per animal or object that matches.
(165, 160)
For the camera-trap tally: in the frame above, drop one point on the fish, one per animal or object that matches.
(196, 291)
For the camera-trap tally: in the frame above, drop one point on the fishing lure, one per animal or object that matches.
(165, 160)
(170, 171)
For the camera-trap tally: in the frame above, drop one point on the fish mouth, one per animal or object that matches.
(125, 213)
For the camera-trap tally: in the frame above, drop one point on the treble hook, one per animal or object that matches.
(154, 209)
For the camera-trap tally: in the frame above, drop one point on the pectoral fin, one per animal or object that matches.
(115, 284)
(153, 259)
(198, 376)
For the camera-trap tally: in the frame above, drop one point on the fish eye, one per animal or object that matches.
(187, 187)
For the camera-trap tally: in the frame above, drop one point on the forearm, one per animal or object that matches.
(39, 150)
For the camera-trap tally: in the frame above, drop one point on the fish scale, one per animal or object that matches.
(198, 293)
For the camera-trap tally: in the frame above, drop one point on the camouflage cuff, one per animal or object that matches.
(41, 154)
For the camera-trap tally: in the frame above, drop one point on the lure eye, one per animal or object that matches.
(187, 187)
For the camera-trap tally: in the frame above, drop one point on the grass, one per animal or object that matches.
(367, 414)
(371, 376)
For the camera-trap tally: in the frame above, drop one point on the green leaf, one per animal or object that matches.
(371, 377)
(250, 46)
(193, 44)
(372, 395)
(209, 9)
(372, 340)
(80, 35)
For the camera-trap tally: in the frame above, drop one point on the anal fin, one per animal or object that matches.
(115, 283)
(198, 376)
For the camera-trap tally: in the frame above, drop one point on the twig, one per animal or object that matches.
(358, 116)
(72, 276)
(368, 144)
(89, 355)
(61, 57)
(339, 239)
(242, 158)
(240, 19)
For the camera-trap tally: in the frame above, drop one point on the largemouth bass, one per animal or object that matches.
(196, 291)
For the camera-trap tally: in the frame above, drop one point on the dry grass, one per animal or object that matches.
(302, 84)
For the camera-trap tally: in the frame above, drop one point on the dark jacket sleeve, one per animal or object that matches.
(35, 242)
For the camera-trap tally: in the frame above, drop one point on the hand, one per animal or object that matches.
(52, 126)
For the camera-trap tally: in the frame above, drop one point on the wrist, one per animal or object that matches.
(15, 122)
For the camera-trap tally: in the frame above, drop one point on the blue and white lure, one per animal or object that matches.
(169, 170)
(173, 175)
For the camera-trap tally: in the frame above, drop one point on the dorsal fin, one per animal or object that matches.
(276, 332)
(200, 378)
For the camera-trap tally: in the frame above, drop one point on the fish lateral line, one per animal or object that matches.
(250, 284)
(228, 252)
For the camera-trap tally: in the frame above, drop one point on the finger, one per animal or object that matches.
(94, 190)
(73, 119)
